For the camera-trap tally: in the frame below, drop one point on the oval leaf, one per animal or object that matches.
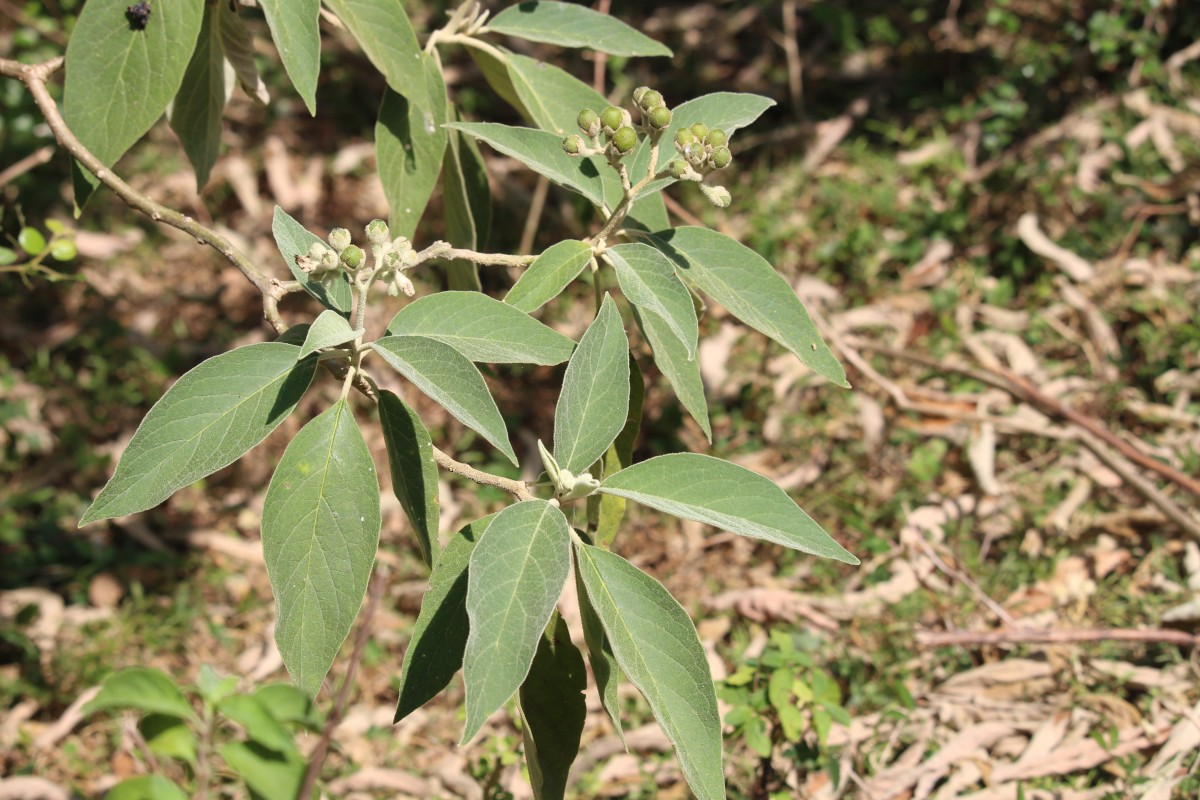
(656, 645)
(570, 25)
(269, 774)
(467, 205)
(169, 737)
(238, 45)
(142, 689)
(742, 281)
(605, 511)
(196, 112)
(542, 152)
(594, 400)
(554, 711)
(320, 530)
(294, 240)
(435, 650)
(414, 473)
(516, 574)
(604, 665)
(330, 329)
(684, 373)
(388, 39)
(546, 277)
(120, 80)
(210, 418)
(146, 787)
(551, 96)
(725, 496)
(293, 25)
(449, 378)
(258, 721)
(409, 145)
(648, 280)
(482, 329)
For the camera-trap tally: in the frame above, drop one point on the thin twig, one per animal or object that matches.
(317, 760)
(31, 161)
(518, 489)
(1076, 636)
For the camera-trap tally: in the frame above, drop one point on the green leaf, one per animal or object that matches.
(289, 705)
(320, 531)
(600, 655)
(449, 378)
(726, 496)
(409, 144)
(197, 111)
(551, 97)
(210, 418)
(435, 651)
(648, 280)
(594, 400)
(387, 37)
(31, 241)
(330, 329)
(605, 511)
(293, 25)
(482, 329)
(238, 45)
(657, 647)
(742, 281)
(516, 574)
(554, 710)
(570, 25)
(141, 689)
(295, 335)
(119, 81)
(672, 359)
(61, 250)
(8, 256)
(271, 775)
(414, 473)
(260, 724)
(542, 152)
(169, 737)
(494, 66)
(542, 280)
(293, 240)
(146, 787)
(212, 687)
(467, 206)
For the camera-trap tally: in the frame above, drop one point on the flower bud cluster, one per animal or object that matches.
(392, 258)
(701, 150)
(613, 132)
(323, 263)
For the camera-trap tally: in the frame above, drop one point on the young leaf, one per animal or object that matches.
(142, 689)
(554, 710)
(594, 400)
(449, 378)
(725, 496)
(494, 66)
(145, 787)
(320, 531)
(258, 721)
(542, 152)
(169, 737)
(196, 113)
(271, 775)
(600, 655)
(329, 330)
(742, 281)
(293, 240)
(409, 146)
(388, 39)
(516, 574)
(605, 511)
(570, 25)
(290, 705)
(295, 335)
(672, 359)
(656, 645)
(435, 650)
(238, 46)
(210, 418)
(467, 205)
(414, 473)
(293, 25)
(551, 96)
(482, 329)
(648, 280)
(119, 80)
(542, 280)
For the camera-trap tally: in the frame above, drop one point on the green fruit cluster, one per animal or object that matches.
(613, 132)
(701, 148)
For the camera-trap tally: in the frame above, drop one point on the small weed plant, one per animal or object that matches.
(491, 606)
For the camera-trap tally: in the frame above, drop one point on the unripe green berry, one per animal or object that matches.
(639, 93)
(625, 139)
(678, 168)
(721, 157)
(716, 138)
(377, 231)
(589, 122)
(612, 118)
(660, 117)
(339, 239)
(572, 145)
(684, 137)
(651, 100)
(700, 130)
(353, 257)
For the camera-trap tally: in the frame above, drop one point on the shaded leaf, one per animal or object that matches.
(546, 277)
(239, 52)
(211, 417)
(290, 705)
(258, 721)
(683, 373)
(494, 66)
(554, 710)
(605, 511)
(410, 143)
(197, 110)
(141, 689)
(414, 473)
(570, 25)
(271, 775)
(293, 25)
(647, 278)
(320, 531)
(382, 29)
(169, 736)
(294, 240)
(467, 205)
(604, 665)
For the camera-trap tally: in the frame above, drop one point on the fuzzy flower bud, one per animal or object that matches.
(700, 130)
(339, 239)
(650, 100)
(329, 260)
(589, 123)
(679, 168)
(721, 157)
(612, 118)
(317, 251)
(377, 231)
(625, 139)
(716, 138)
(572, 145)
(639, 93)
(353, 257)
(684, 137)
(717, 195)
(659, 118)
